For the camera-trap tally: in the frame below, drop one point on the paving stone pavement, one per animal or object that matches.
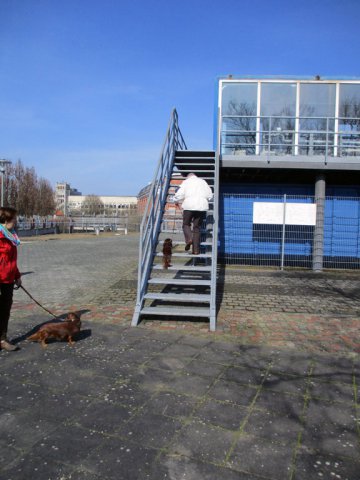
(331, 292)
(269, 396)
(126, 403)
(103, 270)
(76, 269)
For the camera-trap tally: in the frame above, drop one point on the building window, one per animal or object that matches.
(349, 106)
(317, 118)
(277, 122)
(239, 109)
(349, 120)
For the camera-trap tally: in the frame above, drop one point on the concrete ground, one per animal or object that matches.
(273, 394)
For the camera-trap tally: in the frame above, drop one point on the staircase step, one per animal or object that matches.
(195, 153)
(178, 267)
(181, 164)
(176, 311)
(202, 244)
(169, 230)
(192, 154)
(196, 159)
(179, 217)
(179, 281)
(187, 170)
(184, 178)
(179, 297)
(186, 255)
(172, 202)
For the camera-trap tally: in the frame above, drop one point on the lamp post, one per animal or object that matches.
(3, 164)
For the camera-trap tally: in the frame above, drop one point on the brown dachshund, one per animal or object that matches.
(61, 330)
(167, 252)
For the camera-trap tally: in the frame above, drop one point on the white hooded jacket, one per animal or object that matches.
(195, 193)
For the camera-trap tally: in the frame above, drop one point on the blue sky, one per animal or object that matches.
(87, 86)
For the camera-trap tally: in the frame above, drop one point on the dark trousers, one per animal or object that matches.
(6, 298)
(196, 218)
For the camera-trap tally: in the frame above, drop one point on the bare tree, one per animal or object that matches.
(241, 125)
(9, 186)
(350, 111)
(45, 200)
(93, 205)
(26, 192)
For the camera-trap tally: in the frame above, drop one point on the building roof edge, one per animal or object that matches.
(285, 77)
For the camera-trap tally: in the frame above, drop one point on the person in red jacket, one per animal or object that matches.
(9, 272)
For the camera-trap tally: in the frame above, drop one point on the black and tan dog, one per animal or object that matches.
(167, 252)
(61, 330)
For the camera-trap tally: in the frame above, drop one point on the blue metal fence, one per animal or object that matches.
(342, 230)
(245, 241)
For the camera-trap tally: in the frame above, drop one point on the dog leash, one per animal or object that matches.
(37, 303)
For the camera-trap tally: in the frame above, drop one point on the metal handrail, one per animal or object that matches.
(213, 305)
(151, 222)
(300, 117)
(331, 134)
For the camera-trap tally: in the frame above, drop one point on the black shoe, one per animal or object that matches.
(187, 246)
(9, 347)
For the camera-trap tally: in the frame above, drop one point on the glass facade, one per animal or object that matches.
(290, 117)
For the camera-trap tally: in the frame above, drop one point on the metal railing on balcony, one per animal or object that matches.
(289, 135)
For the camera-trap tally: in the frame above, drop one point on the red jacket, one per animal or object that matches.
(9, 271)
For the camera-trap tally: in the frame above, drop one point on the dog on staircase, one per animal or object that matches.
(167, 252)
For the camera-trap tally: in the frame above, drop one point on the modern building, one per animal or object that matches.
(285, 173)
(293, 141)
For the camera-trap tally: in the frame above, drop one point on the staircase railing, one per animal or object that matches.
(213, 305)
(151, 222)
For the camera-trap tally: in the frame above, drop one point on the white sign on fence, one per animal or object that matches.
(272, 213)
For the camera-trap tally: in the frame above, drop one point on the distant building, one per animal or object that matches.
(74, 191)
(142, 198)
(70, 201)
(62, 192)
(109, 204)
(144, 193)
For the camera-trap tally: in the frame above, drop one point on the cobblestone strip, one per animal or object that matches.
(312, 333)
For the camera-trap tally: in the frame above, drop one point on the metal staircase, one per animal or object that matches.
(188, 287)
